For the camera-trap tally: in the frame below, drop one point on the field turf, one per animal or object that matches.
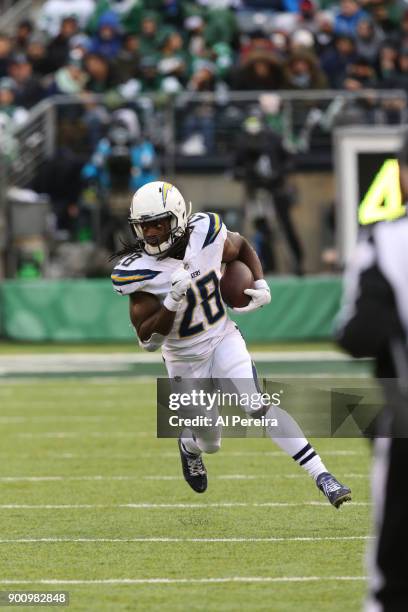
(89, 495)
(16, 348)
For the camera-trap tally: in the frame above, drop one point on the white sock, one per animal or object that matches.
(309, 460)
(294, 443)
(189, 444)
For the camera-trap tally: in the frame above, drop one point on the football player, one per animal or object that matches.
(171, 274)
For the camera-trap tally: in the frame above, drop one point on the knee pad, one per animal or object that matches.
(209, 446)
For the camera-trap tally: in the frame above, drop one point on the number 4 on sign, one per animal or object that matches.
(382, 202)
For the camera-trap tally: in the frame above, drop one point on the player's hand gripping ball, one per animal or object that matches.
(236, 279)
(240, 291)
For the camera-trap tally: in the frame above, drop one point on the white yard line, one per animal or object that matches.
(81, 434)
(51, 359)
(148, 506)
(5, 420)
(62, 368)
(62, 478)
(104, 478)
(326, 453)
(188, 581)
(49, 383)
(129, 434)
(91, 402)
(110, 363)
(180, 540)
(251, 476)
(172, 454)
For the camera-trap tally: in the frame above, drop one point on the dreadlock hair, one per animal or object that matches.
(176, 251)
(128, 248)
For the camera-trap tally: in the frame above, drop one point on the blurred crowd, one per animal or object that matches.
(124, 47)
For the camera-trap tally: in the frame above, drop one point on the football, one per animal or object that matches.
(236, 278)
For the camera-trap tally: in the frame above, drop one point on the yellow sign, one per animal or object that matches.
(383, 201)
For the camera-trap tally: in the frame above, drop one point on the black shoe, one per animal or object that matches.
(335, 492)
(193, 470)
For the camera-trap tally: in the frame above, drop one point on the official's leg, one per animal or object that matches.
(388, 553)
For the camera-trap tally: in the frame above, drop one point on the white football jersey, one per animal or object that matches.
(201, 320)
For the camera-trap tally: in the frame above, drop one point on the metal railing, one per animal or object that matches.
(36, 140)
(5, 6)
(306, 120)
(12, 12)
(303, 115)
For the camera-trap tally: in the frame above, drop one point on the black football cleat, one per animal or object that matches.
(335, 492)
(194, 470)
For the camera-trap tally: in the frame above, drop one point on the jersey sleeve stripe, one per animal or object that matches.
(124, 277)
(213, 230)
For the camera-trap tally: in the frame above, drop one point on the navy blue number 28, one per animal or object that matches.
(209, 289)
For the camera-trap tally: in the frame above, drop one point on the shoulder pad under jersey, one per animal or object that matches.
(132, 274)
(208, 226)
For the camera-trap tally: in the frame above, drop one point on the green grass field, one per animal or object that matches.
(89, 495)
(10, 348)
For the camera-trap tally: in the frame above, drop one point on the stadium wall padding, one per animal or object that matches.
(89, 310)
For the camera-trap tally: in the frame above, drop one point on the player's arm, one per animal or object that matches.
(152, 320)
(148, 316)
(236, 247)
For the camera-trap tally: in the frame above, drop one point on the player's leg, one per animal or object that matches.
(232, 362)
(196, 440)
(184, 375)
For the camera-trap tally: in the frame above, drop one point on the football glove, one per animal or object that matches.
(260, 296)
(153, 343)
(180, 282)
